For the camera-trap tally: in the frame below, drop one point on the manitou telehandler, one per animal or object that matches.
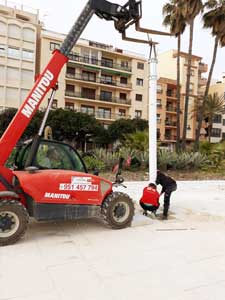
(64, 191)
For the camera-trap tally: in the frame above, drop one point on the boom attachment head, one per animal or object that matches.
(123, 16)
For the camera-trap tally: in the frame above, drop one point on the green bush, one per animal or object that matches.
(92, 163)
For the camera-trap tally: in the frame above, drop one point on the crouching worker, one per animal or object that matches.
(150, 199)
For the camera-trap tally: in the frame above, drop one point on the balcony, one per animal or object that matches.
(105, 115)
(171, 94)
(170, 138)
(98, 98)
(202, 81)
(203, 67)
(171, 123)
(96, 62)
(171, 109)
(98, 79)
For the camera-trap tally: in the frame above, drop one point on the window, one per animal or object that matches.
(138, 97)
(14, 31)
(123, 96)
(106, 79)
(159, 103)
(138, 113)
(12, 75)
(158, 133)
(158, 118)
(54, 46)
(106, 96)
(191, 87)
(14, 52)
(107, 62)
(217, 119)
(27, 54)
(88, 93)
(216, 132)
(12, 95)
(88, 76)
(70, 71)
(223, 135)
(27, 76)
(70, 88)
(124, 64)
(104, 113)
(123, 80)
(159, 89)
(28, 35)
(140, 81)
(2, 28)
(54, 103)
(2, 74)
(87, 109)
(223, 122)
(140, 66)
(2, 49)
(192, 73)
(122, 112)
(23, 94)
(69, 105)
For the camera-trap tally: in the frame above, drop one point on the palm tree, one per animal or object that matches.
(175, 20)
(215, 20)
(214, 104)
(192, 9)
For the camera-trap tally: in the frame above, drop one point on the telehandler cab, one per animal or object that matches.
(58, 189)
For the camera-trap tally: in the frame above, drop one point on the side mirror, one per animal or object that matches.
(96, 171)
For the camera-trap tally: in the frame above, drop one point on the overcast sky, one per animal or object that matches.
(59, 16)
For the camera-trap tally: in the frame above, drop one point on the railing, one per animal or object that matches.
(98, 79)
(171, 123)
(170, 137)
(171, 109)
(171, 94)
(98, 97)
(97, 62)
(105, 115)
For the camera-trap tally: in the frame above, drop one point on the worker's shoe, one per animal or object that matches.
(164, 217)
(145, 213)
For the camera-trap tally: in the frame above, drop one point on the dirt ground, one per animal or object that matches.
(178, 175)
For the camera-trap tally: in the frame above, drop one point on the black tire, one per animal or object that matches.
(118, 210)
(13, 221)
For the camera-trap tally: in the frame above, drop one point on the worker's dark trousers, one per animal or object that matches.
(167, 195)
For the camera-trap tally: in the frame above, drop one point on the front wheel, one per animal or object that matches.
(118, 210)
(13, 221)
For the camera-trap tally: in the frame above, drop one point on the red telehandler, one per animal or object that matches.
(64, 191)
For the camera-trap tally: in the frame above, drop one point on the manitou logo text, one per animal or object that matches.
(57, 196)
(37, 94)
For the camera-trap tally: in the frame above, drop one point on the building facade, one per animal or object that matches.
(167, 68)
(99, 80)
(19, 31)
(218, 129)
(166, 111)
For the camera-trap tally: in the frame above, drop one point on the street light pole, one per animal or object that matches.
(152, 113)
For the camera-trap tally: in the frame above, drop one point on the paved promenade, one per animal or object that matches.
(179, 259)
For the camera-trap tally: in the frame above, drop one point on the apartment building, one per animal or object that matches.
(166, 111)
(100, 80)
(167, 68)
(218, 129)
(19, 30)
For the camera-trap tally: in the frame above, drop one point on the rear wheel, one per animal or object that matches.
(118, 210)
(13, 221)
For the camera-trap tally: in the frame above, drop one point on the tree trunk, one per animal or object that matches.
(201, 111)
(178, 94)
(187, 86)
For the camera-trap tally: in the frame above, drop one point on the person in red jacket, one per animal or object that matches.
(150, 199)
